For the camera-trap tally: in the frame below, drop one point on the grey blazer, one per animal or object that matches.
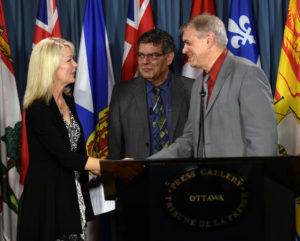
(128, 120)
(239, 120)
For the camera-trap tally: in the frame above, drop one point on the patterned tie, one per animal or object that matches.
(160, 130)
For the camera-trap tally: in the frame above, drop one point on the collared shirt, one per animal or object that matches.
(214, 71)
(165, 93)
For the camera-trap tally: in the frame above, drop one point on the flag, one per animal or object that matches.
(92, 91)
(287, 93)
(139, 20)
(46, 25)
(242, 39)
(10, 139)
(198, 7)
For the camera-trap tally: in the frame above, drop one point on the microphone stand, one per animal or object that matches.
(201, 146)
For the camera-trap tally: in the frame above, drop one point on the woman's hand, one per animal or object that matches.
(93, 165)
(96, 172)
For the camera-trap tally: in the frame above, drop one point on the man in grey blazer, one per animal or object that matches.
(238, 111)
(130, 121)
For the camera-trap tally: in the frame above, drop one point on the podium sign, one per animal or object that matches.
(221, 199)
(212, 201)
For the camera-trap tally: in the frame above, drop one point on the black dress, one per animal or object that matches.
(50, 207)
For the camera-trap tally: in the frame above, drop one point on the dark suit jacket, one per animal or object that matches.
(50, 204)
(128, 122)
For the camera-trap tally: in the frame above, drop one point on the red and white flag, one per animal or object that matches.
(198, 7)
(10, 129)
(46, 25)
(139, 20)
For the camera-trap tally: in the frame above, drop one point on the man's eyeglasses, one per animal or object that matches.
(152, 56)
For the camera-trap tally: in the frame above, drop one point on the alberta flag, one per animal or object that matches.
(242, 39)
(10, 139)
(92, 91)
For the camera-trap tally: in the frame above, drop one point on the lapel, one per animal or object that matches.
(140, 96)
(54, 109)
(222, 77)
(176, 103)
(71, 104)
(59, 119)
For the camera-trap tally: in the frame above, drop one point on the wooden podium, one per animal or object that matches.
(211, 199)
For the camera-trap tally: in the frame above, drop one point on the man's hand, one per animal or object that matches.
(127, 169)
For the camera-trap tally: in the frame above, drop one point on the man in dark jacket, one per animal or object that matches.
(132, 114)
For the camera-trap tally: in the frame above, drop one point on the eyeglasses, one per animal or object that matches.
(152, 56)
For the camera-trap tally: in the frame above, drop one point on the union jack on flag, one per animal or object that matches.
(139, 20)
(47, 24)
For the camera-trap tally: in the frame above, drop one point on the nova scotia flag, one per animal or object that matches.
(242, 39)
(92, 91)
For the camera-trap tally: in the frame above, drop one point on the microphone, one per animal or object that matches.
(202, 93)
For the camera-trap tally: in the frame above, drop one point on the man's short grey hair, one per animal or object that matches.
(206, 23)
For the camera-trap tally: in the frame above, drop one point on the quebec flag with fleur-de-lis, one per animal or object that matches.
(241, 34)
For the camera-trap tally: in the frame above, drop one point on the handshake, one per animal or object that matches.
(125, 169)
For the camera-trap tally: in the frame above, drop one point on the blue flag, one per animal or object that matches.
(92, 91)
(242, 39)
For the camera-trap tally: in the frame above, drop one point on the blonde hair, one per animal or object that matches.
(44, 61)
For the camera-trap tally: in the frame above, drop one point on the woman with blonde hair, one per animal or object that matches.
(55, 202)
